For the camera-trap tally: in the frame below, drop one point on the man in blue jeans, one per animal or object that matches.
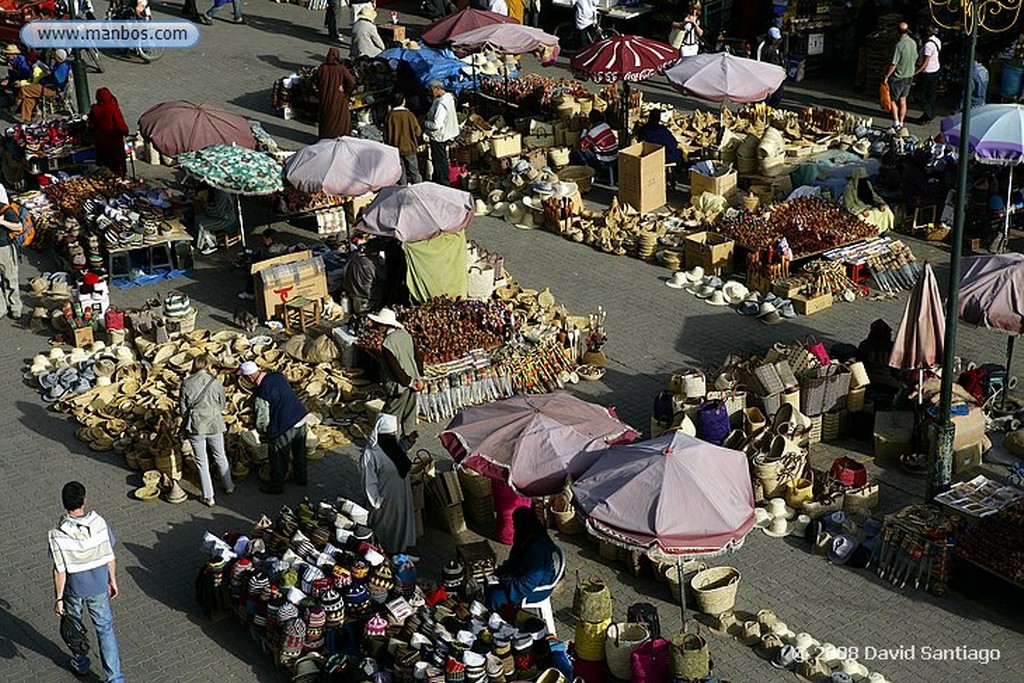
(81, 546)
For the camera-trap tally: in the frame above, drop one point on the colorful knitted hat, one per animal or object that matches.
(376, 626)
(310, 575)
(360, 570)
(305, 513)
(316, 619)
(287, 612)
(453, 575)
(289, 578)
(293, 635)
(476, 669)
(334, 607)
(257, 582)
(342, 576)
(357, 600)
(454, 671)
(320, 537)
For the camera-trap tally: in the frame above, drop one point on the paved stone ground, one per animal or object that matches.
(653, 331)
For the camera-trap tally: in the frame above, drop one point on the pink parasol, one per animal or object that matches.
(919, 340)
(533, 442)
(721, 77)
(181, 126)
(685, 496)
(413, 213)
(622, 58)
(344, 167)
(509, 39)
(442, 31)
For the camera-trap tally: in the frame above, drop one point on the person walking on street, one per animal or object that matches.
(236, 9)
(201, 405)
(81, 546)
(335, 83)
(770, 52)
(402, 130)
(366, 40)
(400, 373)
(387, 486)
(927, 75)
(10, 285)
(585, 20)
(686, 34)
(900, 73)
(979, 84)
(331, 20)
(442, 126)
(282, 419)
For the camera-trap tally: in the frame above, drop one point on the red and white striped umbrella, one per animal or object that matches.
(623, 58)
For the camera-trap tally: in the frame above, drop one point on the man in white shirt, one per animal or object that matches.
(442, 126)
(498, 7)
(586, 19)
(927, 75)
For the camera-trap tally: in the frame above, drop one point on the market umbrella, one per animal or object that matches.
(442, 31)
(413, 213)
(533, 442)
(992, 296)
(344, 167)
(182, 126)
(235, 170)
(622, 58)
(508, 39)
(997, 138)
(721, 77)
(920, 338)
(683, 496)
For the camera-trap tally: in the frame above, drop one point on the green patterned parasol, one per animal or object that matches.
(234, 169)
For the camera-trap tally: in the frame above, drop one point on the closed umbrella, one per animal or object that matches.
(992, 296)
(182, 126)
(997, 138)
(442, 31)
(344, 167)
(413, 213)
(919, 340)
(720, 77)
(622, 58)
(533, 442)
(685, 497)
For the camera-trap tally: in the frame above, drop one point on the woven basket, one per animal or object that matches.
(566, 518)
(671, 574)
(858, 375)
(609, 551)
(583, 176)
(715, 589)
(830, 426)
(592, 601)
(479, 510)
(855, 400)
(475, 485)
(590, 640)
(689, 657)
(620, 641)
(814, 436)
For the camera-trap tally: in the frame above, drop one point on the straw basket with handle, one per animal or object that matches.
(590, 640)
(620, 641)
(566, 518)
(689, 656)
(583, 176)
(675, 580)
(715, 589)
(592, 601)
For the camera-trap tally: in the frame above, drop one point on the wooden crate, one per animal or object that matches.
(805, 305)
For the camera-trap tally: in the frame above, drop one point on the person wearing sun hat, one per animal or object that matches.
(18, 69)
(282, 417)
(400, 374)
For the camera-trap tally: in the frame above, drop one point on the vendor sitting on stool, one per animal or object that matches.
(219, 216)
(599, 146)
(861, 200)
(18, 69)
(657, 133)
(530, 563)
(874, 352)
(54, 83)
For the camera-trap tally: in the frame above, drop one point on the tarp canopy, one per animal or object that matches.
(992, 292)
(430, 63)
(685, 496)
(437, 266)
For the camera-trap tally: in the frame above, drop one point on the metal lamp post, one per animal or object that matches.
(971, 16)
(82, 96)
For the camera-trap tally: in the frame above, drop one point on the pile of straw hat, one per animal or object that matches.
(124, 397)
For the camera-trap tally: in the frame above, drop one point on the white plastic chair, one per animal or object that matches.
(544, 606)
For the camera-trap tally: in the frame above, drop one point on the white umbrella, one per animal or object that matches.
(721, 77)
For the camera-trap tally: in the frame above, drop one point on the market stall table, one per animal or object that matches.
(160, 253)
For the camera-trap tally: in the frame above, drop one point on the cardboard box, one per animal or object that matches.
(392, 33)
(894, 434)
(967, 458)
(805, 305)
(970, 429)
(82, 337)
(287, 277)
(711, 251)
(642, 176)
(723, 184)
